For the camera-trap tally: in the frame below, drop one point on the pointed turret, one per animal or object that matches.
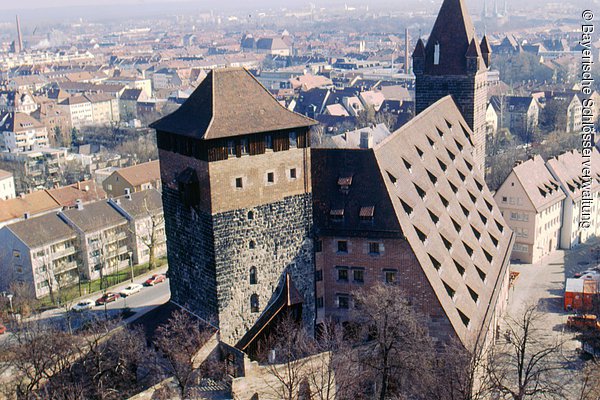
(449, 40)
(418, 57)
(486, 51)
(473, 55)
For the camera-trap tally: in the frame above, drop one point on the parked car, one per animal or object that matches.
(107, 297)
(131, 289)
(583, 322)
(83, 305)
(154, 279)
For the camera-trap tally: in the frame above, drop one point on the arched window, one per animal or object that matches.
(250, 215)
(254, 306)
(253, 275)
(251, 245)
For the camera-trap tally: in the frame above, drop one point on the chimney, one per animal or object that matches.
(79, 204)
(19, 37)
(406, 55)
(128, 193)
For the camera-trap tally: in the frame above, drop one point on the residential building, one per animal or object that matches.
(519, 114)
(41, 251)
(21, 132)
(454, 63)
(144, 212)
(128, 103)
(413, 211)
(37, 169)
(105, 109)
(79, 110)
(7, 185)
(581, 206)
(103, 238)
(135, 178)
(132, 82)
(531, 201)
(17, 101)
(364, 138)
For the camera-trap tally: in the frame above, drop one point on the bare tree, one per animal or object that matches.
(150, 236)
(178, 342)
(284, 354)
(528, 365)
(396, 351)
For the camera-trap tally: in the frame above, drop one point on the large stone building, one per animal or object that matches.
(235, 167)
(413, 211)
(454, 62)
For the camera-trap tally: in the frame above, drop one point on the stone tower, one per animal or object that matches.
(454, 62)
(235, 167)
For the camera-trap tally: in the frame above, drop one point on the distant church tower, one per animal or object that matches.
(237, 197)
(454, 62)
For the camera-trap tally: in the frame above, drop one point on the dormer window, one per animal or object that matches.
(366, 213)
(344, 183)
(337, 213)
(436, 54)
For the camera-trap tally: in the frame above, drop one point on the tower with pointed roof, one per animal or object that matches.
(235, 167)
(454, 62)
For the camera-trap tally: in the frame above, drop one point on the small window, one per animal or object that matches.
(342, 274)
(254, 305)
(374, 248)
(238, 183)
(253, 275)
(252, 245)
(390, 276)
(270, 177)
(250, 215)
(244, 145)
(343, 301)
(231, 148)
(293, 173)
(358, 275)
(319, 275)
(342, 246)
(319, 302)
(269, 141)
(16, 254)
(318, 246)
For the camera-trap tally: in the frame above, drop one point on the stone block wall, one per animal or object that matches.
(190, 251)
(273, 238)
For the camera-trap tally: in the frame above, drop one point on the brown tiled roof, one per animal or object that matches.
(539, 184)
(85, 191)
(140, 173)
(447, 214)
(453, 31)
(42, 230)
(17, 122)
(230, 102)
(33, 203)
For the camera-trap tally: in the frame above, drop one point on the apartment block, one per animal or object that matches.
(531, 202)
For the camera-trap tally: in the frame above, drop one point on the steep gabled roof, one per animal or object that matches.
(230, 102)
(539, 184)
(567, 168)
(453, 31)
(447, 214)
(141, 173)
